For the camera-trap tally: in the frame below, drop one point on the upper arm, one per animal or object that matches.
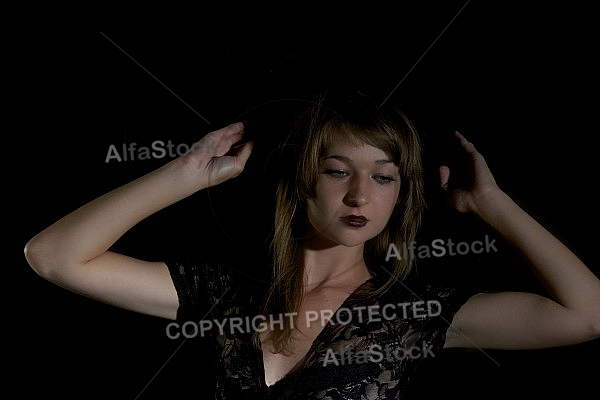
(515, 320)
(122, 281)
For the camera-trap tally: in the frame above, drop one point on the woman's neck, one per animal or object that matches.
(334, 265)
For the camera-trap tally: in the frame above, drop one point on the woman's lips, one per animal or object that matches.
(355, 221)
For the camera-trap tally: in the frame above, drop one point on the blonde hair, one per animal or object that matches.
(331, 113)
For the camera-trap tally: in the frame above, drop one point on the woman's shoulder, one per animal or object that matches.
(212, 284)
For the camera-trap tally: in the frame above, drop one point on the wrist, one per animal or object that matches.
(184, 175)
(487, 205)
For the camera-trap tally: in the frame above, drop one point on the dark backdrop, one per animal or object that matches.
(520, 84)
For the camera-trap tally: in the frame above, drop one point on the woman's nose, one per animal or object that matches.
(357, 194)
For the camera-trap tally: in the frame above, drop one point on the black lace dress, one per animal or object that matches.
(366, 351)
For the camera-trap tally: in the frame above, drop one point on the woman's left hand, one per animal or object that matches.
(477, 186)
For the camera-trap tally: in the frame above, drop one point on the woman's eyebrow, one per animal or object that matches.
(349, 160)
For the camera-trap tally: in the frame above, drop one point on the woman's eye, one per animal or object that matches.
(384, 179)
(336, 173)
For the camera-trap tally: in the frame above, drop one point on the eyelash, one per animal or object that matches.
(339, 174)
(336, 173)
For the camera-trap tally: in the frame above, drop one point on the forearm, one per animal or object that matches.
(93, 228)
(564, 275)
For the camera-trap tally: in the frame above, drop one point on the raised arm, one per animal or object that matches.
(74, 251)
(514, 320)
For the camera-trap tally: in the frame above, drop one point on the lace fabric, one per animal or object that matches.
(366, 351)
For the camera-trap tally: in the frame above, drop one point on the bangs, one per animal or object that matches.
(384, 140)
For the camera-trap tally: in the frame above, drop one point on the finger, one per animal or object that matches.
(468, 146)
(234, 132)
(233, 166)
(244, 152)
(444, 176)
(220, 142)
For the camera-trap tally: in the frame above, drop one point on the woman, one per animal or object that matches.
(342, 316)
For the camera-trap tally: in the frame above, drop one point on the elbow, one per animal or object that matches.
(595, 317)
(37, 253)
(596, 328)
(591, 322)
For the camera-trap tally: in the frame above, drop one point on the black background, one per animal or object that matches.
(521, 84)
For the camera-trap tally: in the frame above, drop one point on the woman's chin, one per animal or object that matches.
(353, 239)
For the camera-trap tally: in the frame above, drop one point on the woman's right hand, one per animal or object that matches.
(219, 156)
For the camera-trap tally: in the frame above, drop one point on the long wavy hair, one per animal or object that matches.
(317, 127)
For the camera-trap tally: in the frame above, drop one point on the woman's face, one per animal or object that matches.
(356, 191)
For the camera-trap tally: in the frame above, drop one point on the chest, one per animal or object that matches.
(314, 314)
